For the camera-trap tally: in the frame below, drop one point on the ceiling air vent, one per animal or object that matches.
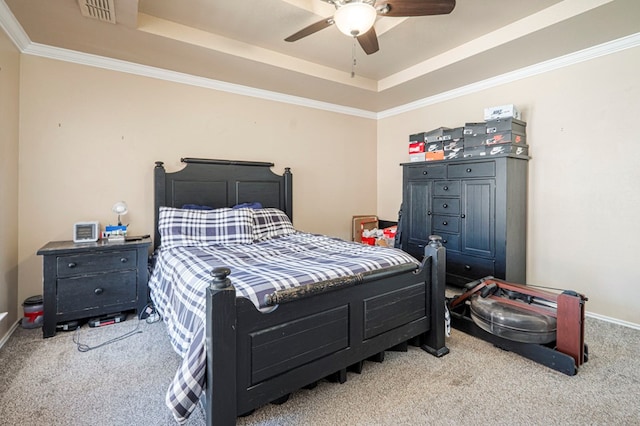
(102, 10)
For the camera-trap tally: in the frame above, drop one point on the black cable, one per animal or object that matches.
(86, 348)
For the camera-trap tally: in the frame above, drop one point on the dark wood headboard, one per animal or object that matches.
(221, 183)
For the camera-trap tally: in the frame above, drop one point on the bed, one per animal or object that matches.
(243, 348)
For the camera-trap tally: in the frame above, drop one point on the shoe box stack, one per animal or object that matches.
(502, 132)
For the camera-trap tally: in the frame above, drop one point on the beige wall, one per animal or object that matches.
(89, 137)
(582, 120)
(9, 98)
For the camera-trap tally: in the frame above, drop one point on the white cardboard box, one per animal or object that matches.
(501, 111)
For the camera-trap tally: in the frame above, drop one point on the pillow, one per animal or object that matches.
(269, 223)
(196, 207)
(255, 205)
(198, 228)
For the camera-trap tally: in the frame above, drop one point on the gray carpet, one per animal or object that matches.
(49, 382)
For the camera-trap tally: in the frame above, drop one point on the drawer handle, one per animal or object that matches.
(467, 267)
(463, 215)
(425, 172)
(444, 241)
(469, 170)
(445, 223)
(445, 188)
(445, 205)
(98, 291)
(72, 264)
(123, 260)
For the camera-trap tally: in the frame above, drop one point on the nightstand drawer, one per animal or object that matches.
(93, 291)
(69, 266)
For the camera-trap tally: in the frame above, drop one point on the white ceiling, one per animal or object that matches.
(242, 42)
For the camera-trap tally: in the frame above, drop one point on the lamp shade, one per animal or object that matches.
(120, 208)
(354, 19)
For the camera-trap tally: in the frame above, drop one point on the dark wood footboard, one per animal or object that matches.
(254, 357)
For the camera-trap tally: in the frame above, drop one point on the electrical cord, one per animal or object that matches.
(86, 348)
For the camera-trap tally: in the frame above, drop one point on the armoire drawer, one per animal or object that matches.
(469, 266)
(446, 206)
(446, 223)
(426, 171)
(447, 188)
(480, 169)
(450, 241)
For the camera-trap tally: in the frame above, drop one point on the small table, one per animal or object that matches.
(84, 280)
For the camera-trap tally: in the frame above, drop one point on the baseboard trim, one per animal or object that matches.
(5, 338)
(614, 320)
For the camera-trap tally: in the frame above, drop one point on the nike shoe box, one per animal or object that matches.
(452, 134)
(475, 151)
(507, 148)
(453, 145)
(474, 129)
(417, 157)
(454, 153)
(475, 140)
(506, 124)
(435, 135)
(501, 111)
(505, 137)
(434, 155)
(416, 148)
(434, 146)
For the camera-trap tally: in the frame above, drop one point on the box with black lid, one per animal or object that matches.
(435, 134)
(507, 148)
(506, 124)
(452, 145)
(474, 140)
(505, 137)
(475, 151)
(452, 134)
(473, 129)
(454, 153)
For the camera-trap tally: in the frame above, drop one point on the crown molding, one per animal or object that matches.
(21, 40)
(593, 52)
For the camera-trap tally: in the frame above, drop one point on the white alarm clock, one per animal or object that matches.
(86, 232)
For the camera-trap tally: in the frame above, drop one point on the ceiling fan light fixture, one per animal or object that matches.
(355, 18)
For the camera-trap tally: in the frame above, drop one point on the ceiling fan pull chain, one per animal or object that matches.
(353, 55)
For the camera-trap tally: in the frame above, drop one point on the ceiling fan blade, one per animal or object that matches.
(313, 28)
(369, 41)
(415, 7)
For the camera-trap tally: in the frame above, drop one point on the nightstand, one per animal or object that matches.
(84, 280)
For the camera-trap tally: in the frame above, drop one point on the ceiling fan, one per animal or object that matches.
(355, 18)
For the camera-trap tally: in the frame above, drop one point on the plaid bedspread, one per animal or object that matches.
(181, 275)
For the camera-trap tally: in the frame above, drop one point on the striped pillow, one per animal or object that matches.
(199, 228)
(269, 223)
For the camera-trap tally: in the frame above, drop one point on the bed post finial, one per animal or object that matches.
(220, 279)
(160, 164)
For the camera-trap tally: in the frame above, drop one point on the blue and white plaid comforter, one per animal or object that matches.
(182, 274)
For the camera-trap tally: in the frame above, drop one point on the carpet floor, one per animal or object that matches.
(51, 382)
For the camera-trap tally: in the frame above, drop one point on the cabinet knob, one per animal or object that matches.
(469, 170)
(123, 260)
(445, 205)
(445, 188)
(463, 215)
(445, 223)
(424, 172)
(428, 212)
(98, 290)
(72, 265)
(444, 241)
(467, 267)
